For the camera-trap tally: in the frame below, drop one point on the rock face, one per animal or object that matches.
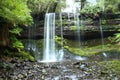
(91, 30)
(70, 34)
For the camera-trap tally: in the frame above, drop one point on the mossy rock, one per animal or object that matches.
(113, 66)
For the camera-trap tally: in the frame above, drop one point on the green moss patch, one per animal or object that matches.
(89, 51)
(113, 66)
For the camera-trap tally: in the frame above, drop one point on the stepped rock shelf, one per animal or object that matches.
(87, 34)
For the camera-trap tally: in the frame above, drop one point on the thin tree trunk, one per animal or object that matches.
(4, 35)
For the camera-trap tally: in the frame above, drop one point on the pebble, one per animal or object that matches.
(31, 71)
(20, 76)
(15, 77)
(43, 71)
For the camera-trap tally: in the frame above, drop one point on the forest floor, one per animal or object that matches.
(15, 69)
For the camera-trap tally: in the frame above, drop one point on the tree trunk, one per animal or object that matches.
(4, 35)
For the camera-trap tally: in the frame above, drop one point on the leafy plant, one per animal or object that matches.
(112, 6)
(15, 30)
(91, 9)
(15, 12)
(73, 28)
(43, 6)
(103, 22)
(15, 42)
(117, 37)
(12, 14)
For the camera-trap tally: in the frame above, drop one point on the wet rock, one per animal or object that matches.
(18, 65)
(30, 71)
(25, 75)
(69, 70)
(14, 77)
(1, 78)
(43, 77)
(14, 60)
(20, 76)
(82, 66)
(43, 71)
(26, 67)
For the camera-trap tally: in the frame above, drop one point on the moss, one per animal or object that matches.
(89, 51)
(81, 52)
(113, 65)
(20, 55)
(25, 55)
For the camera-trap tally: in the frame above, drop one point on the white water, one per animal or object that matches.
(77, 31)
(101, 30)
(31, 45)
(61, 51)
(68, 14)
(102, 38)
(50, 52)
(49, 41)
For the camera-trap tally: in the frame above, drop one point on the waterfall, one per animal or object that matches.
(77, 31)
(50, 51)
(102, 37)
(68, 14)
(31, 45)
(49, 54)
(61, 51)
(101, 31)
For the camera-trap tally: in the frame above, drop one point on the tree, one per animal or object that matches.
(102, 7)
(12, 14)
(112, 6)
(40, 7)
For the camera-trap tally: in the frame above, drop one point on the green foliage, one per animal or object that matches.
(15, 30)
(111, 39)
(25, 55)
(109, 6)
(15, 43)
(95, 9)
(117, 37)
(15, 11)
(40, 44)
(59, 40)
(90, 51)
(61, 4)
(43, 6)
(21, 55)
(18, 44)
(103, 22)
(112, 6)
(73, 28)
(113, 65)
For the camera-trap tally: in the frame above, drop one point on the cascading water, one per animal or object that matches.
(77, 31)
(102, 37)
(101, 31)
(68, 14)
(31, 45)
(61, 51)
(50, 51)
(49, 54)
